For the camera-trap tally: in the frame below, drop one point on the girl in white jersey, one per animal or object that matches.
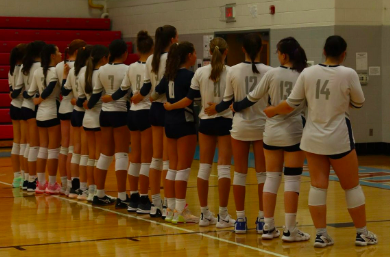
(282, 136)
(29, 129)
(79, 159)
(115, 136)
(19, 164)
(209, 83)
(155, 69)
(65, 114)
(330, 89)
(140, 130)
(98, 58)
(248, 126)
(45, 79)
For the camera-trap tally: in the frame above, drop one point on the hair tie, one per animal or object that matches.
(83, 47)
(177, 44)
(216, 47)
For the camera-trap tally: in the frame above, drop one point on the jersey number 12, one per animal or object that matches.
(251, 79)
(322, 90)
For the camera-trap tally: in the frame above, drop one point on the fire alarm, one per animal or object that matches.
(230, 12)
(272, 9)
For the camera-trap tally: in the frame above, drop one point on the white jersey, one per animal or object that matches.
(72, 84)
(48, 107)
(151, 77)
(280, 130)
(25, 81)
(328, 90)
(248, 125)
(133, 82)
(65, 106)
(110, 78)
(91, 117)
(12, 80)
(210, 91)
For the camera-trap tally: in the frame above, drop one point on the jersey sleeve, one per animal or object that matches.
(229, 90)
(19, 81)
(98, 87)
(261, 89)
(81, 87)
(297, 95)
(356, 92)
(33, 87)
(126, 83)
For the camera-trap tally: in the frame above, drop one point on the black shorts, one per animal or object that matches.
(112, 119)
(65, 116)
(77, 119)
(48, 123)
(15, 113)
(303, 121)
(179, 130)
(292, 148)
(91, 129)
(27, 113)
(215, 127)
(157, 114)
(339, 156)
(138, 120)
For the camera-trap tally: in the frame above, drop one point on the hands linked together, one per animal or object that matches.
(210, 110)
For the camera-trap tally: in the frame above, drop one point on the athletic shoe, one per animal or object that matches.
(120, 204)
(207, 219)
(25, 183)
(75, 193)
(240, 227)
(67, 191)
(184, 217)
(17, 181)
(91, 194)
(144, 205)
(53, 189)
(164, 212)
(133, 204)
(83, 196)
(105, 200)
(226, 222)
(155, 211)
(169, 215)
(294, 235)
(323, 240)
(31, 186)
(363, 240)
(40, 189)
(259, 225)
(270, 233)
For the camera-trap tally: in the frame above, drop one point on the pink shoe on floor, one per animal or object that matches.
(40, 189)
(53, 189)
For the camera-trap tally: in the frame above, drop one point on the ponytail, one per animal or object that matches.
(177, 56)
(47, 51)
(16, 56)
(252, 45)
(218, 47)
(66, 52)
(82, 56)
(163, 39)
(295, 52)
(33, 51)
(97, 53)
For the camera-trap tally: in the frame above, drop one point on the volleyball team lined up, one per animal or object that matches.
(243, 105)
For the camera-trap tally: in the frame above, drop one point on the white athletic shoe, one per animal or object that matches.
(270, 233)
(83, 196)
(91, 194)
(207, 219)
(363, 240)
(294, 235)
(323, 240)
(169, 215)
(226, 222)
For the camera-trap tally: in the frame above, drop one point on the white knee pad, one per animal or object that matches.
(239, 179)
(64, 150)
(53, 153)
(292, 183)
(75, 158)
(165, 165)
(22, 148)
(25, 155)
(70, 149)
(145, 167)
(157, 164)
(121, 161)
(223, 171)
(91, 162)
(261, 176)
(183, 175)
(204, 171)
(96, 162)
(104, 162)
(83, 160)
(33, 154)
(134, 169)
(355, 197)
(272, 182)
(171, 175)
(43, 152)
(317, 196)
(15, 149)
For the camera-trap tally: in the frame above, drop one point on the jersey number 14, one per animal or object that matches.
(323, 90)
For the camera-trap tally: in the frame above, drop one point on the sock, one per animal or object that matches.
(68, 183)
(223, 212)
(144, 195)
(165, 202)
(290, 219)
(41, 178)
(26, 175)
(261, 215)
(156, 199)
(22, 174)
(83, 186)
(171, 203)
(240, 214)
(64, 181)
(32, 178)
(52, 180)
(362, 230)
(133, 192)
(270, 222)
(100, 193)
(321, 231)
(204, 210)
(17, 174)
(122, 196)
(180, 205)
(92, 187)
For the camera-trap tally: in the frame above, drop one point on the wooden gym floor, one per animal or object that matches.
(58, 226)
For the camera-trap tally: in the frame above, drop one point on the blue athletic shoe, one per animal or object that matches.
(240, 226)
(259, 225)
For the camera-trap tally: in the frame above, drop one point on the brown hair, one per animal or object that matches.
(97, 53)
(144, 42)
(16, 55)
(73, 47)
(252, 45)
(218, 47)
(163, 38)
(177, 56)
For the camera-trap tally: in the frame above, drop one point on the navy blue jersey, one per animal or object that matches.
(175, 91)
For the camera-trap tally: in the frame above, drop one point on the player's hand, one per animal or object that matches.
(270, 111)
(85, 105)
(231, 108)
(210, 111)
(107, 98)
(73, 101)
(137, 98)
(66, 70)
(168, 106)
(37, 101)
(10, 95)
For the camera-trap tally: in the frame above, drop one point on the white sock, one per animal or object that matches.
(180, 205)
(52, 180)
(290, 219)
(362, 230)
(156, 199)
(165, 202)
(270, 222)
(122, 196)
(17, 174)
(133, 192)
(261, 215)
(92, 187)
(68, 183)
(321, 231)
(223, 212)
(83, 186)
(100, 193)
(204, 210)
(240, 214)
(171, 203)
(22, 174)
(41, 178)
(64, 181)
(26, 176)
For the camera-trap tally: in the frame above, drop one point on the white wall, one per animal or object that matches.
(359, 12)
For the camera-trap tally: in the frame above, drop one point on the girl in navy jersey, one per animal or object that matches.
(247, 126)
(282, 136)
(45, 82)
(209, 83)
(179, 127)
(19, 163)
(29, 129)
(155, 68)
(330, 90)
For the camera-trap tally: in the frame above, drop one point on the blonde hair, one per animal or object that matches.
(217, 47)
